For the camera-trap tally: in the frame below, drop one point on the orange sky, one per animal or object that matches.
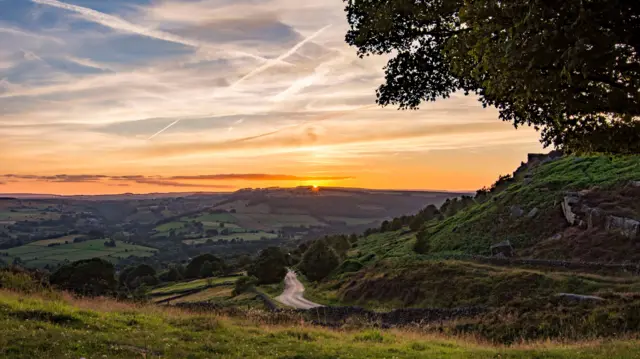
(146, 98)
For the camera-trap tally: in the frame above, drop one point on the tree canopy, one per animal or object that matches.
(270, 266)
(87, 277)
(319, 260)
(195, 267)
(569, 68)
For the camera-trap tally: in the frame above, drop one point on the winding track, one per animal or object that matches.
(292, 295)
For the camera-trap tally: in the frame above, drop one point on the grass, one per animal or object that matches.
(38, 255)
(61, 326)
(193, 284)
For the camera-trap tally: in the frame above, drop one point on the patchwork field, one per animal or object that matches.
(40, 254)
(189, 285)
(237, 236)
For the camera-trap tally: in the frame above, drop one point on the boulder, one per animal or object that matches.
(569, 204)
(503, 248)
(626, 226)
(635, 183)
(532, 213)
(516, 211)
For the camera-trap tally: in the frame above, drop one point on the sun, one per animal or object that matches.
(315, 188)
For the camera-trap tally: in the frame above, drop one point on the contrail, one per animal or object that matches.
(271, 63)
(123, 25)
(267, 65)
(164, 129)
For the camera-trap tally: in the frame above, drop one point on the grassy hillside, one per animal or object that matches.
(57, 326)
(543, 187)
(383, 271)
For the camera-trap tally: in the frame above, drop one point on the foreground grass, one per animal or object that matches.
(62, 327)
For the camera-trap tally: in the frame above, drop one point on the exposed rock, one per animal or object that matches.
(502, 249)
(568, 207)
(579, 297)
(532, 213)
(635, 183)
(595, 217)
(516, 211)
(626, 226)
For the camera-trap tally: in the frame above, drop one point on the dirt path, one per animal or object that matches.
(292, 295)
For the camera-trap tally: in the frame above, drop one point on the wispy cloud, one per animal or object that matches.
(269, 64)
(171, 181)
(24, 33)
(117, 23)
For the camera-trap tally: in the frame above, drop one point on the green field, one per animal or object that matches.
(61, 240)
(194, 284)
(238, 235)
(53, 326)
(38, 255)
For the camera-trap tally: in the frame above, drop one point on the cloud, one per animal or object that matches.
(260, 177)
(165, 183)
(24, 33)
(58, 178)
(269, 64)
(169, 181)
(117, 23)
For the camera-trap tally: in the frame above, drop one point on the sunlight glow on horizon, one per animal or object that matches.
(135, 96)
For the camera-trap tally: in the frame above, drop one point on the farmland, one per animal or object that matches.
(42, 253)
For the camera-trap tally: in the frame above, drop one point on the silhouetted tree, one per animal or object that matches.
(569, 68)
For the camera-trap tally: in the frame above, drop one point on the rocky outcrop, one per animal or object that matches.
(569, 204)
(628, 227)
(503, 249)
(578, 213)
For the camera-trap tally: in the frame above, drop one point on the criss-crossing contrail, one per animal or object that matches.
(273, 62)
(260, 69)
(117, 23)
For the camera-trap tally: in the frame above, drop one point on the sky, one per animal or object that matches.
(114, 96)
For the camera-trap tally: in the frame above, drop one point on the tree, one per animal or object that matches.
(194, 268)
(171, 275)
(428, 213)
(270, 266)
(569, 68)
(87, 277)
(206, 270)
(319, 260)
(132, 277)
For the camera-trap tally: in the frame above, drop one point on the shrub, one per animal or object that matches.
(349, 265)
(244, 284)
(422, 244)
